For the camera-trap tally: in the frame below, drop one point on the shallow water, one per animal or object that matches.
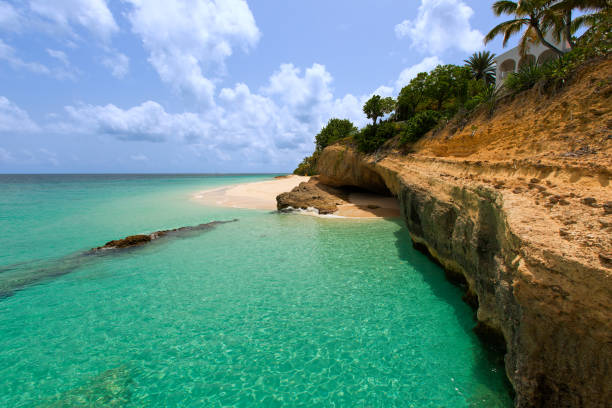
(272, 310)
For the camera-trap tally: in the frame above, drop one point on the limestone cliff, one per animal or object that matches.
(517, 205)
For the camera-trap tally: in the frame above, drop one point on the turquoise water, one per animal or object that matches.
(272, 310)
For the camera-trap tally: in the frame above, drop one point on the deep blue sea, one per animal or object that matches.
(270, 310)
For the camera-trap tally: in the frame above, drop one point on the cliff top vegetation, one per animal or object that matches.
(449, 95)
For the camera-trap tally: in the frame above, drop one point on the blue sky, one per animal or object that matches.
(207, 86)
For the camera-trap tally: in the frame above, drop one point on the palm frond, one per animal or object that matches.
(512, 28)
(502, 28)
(585, 21)
(505, 7)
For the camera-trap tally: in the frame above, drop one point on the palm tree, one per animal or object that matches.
(536, 15)
(564, 25)
(482, 66)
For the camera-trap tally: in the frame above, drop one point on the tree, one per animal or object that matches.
(564, 26)
(336, 129)
(536, 15)
(446, 82)
(482, 66)
(411, 96)
(377, 107)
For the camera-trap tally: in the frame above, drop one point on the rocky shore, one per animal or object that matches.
(514, 209)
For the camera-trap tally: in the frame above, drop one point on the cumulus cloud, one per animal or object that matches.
(118, 64)
(14, 119)
(441, 25)
(275, 125)
(189, 41)
(146, 122)
(92, 15)
(409, 73)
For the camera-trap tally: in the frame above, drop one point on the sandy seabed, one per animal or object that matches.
(261, 195)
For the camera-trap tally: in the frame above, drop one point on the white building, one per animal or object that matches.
(512, 61)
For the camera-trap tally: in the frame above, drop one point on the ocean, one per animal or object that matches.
(270, 310)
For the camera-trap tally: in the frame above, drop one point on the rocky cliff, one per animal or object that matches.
(517, 207)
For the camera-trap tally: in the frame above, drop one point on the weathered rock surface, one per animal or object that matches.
(517, 205)
(312, 194)
(548, 297)
(142, 239)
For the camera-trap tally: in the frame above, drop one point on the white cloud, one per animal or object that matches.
(9, 17)
(146, 122)
(383, 91)
(409, 73)
(441, 25)
(8, 54)
(189, 41)
(276, 125)
(14, 119)
(59, 55)
(93, 15)
(119, 64)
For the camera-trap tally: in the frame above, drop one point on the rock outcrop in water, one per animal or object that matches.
(523, 224)
(19, 276)
(142, 239)
(312, 194)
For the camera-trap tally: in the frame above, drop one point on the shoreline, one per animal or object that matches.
(261, 195)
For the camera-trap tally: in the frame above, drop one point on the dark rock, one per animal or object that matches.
(534, 181)
(312, 194)
(590, 201)
(606, 259)
(605, 223)
(607, 206)
(132, 240)
(142, 239)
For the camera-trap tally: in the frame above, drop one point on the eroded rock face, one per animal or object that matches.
(547, 296)
(312, 194)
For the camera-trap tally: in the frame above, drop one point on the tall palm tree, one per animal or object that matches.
(534, 15)
(565, 26)
(482, 66)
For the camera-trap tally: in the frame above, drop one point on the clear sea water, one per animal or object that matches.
(271, 310)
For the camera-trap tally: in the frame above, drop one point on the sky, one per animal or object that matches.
(205, 86)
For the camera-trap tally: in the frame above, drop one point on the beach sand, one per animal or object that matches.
(367, 205)
(261, 195)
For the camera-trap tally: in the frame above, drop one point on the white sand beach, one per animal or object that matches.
(261, 195)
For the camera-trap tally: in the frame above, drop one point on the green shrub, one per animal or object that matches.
(308, 166)
(420, 124)
(336, 129)
(525, 79)
(371, 137)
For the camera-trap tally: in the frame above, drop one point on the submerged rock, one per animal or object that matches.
(142, 239)
(19, 276)
(111, 388)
